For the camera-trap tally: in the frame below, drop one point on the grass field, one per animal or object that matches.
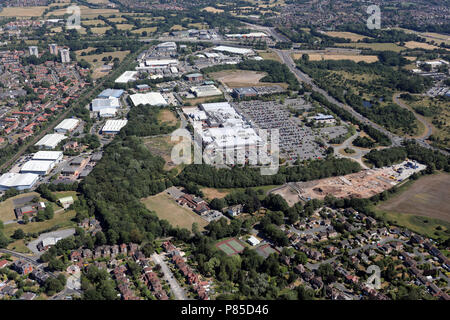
(268, 55)
(355, 58)
(162, 146)
(373, 46)
(168, 117)
(86, 12)
(212, 9)
(100, 30)
(18, 246)
(422, 207)
(419, 45)
(125, 26)
(242, 78)
(7, 206)
(60, 220)
(166, 208)
(211, 193)
(346, 35)
(148, 30)
(22, 12)
(92, 22)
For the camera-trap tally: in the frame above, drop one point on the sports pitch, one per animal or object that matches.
(230, 246)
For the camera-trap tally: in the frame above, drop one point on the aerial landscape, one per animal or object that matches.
(224, 150)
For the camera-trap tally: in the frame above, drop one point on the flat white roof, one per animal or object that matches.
(162, 62)
(114, 125)
(12, 180)
(37, 166)
(207, 90)
(107, 112)
(151, 98)
(51, 140)
(101, 103)
(48, 155)
(127, 76)
(245, 35)
(233, 50)
(67, 124)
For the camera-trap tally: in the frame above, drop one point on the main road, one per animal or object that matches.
(285, 56)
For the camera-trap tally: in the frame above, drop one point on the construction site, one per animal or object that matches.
(363, 184)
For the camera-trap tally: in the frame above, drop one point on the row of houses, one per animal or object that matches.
(201, 287)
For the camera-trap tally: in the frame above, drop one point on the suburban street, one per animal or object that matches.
(177, 290)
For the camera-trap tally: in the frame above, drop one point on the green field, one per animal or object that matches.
(373, 46)
(7, 206)
(166, 208)
(60, 220)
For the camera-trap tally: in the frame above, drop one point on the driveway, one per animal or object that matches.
(60, 234)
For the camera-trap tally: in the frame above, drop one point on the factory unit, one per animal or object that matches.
(168, 47)
(39, 167)
(20, 181)
(111, 93)
(50, 141)
(67, 125)
(127, 76)
(107, 113)
(113, 126)
(205, 91)
(55, 156)
(151, 98)
(104, 103)
(234, 50)
(194, 77)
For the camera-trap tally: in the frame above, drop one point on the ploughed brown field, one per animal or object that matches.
(429, 197)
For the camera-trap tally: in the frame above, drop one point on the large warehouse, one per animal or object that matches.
(127, 76)
(50, 141)
(40, 167)
(151, 98)
(20, 181)
(111, 93)
(206, 91)
(67, 125)
(104, 103)
(113, 126)
(234, 50)
(56, 156)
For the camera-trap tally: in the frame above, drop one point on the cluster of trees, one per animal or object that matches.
(410, 149)
(243, 177)
(376, 135)
(363, 142)
(143, 121)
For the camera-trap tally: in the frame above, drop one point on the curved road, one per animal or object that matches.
(429, 128)
(359, 153)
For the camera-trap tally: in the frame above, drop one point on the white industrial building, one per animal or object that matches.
(158, 64)
(206, 91)
(234, 50)
(127, 76)
(195, 113)
(246, 35)
(104, 103)
(67, 125)
(114, 126)
(55, 156)
(37, 167)
(166, 47)
(151, 98)
(50, 141)
(107, 112)
(20, 181)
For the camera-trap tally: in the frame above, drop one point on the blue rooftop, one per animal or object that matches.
(116, 93)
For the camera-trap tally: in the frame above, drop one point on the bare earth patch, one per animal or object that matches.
(211, 193)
